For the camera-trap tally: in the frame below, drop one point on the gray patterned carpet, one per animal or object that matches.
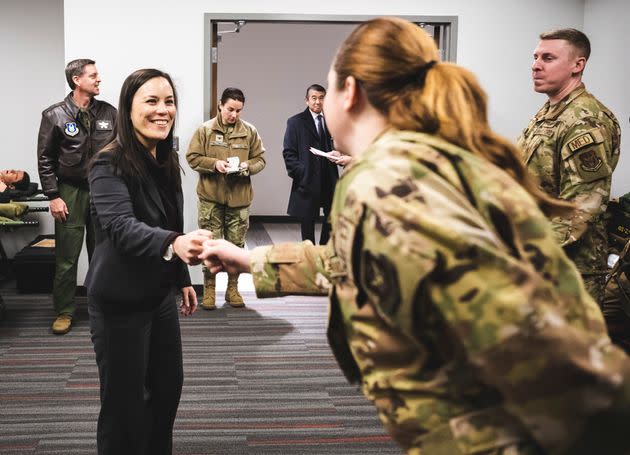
(261, 380)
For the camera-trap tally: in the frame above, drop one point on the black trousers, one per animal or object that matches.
(307, 226)
(139, 359)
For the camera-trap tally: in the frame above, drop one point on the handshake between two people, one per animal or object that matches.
(218, 255)
(198, 246)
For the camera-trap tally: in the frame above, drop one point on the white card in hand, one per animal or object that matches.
(318, 152)
(233, 164)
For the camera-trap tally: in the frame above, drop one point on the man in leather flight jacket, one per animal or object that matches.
(71, 132)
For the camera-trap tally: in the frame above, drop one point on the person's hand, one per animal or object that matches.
(3, 186)
(221, 255)
(59, 210)
(339, 158)
(189, 301)
(243, 169)
(221, 166)
(333, 156)
(189, 246)
(343, 160)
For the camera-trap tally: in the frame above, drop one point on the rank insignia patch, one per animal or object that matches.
(103, 125)
(71, 129)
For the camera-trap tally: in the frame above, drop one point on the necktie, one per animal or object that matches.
(85, 119)
(322, 133)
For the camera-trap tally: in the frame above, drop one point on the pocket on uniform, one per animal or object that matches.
(217, 149)
(100, 139)
(240, 150)
(70, 159)
(531, 148)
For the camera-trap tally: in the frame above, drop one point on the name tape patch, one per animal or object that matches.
(581, 142)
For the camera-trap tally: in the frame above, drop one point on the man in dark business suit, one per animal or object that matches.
(314, 177)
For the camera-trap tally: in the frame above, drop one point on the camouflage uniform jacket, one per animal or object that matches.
(453, 305)
(572, 147)
(213, 141)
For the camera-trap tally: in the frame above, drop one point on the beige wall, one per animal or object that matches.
(608, 69)
(32, 56)
(289, 58)
(495, 40)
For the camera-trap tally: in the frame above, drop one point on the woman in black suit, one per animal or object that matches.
(138, 264)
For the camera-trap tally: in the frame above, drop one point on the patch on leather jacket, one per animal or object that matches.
(104, 125)
(71, 129)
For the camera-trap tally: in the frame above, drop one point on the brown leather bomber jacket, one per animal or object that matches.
(64, 146)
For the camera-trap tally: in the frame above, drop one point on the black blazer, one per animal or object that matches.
(127, 264)
(305, 168)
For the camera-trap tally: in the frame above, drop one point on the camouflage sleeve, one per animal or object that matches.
(587, 154)
(196, 155)
(291, 269)
(474, 295)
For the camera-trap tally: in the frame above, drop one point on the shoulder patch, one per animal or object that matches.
(581, 142)
(590, 161)
(590, 164)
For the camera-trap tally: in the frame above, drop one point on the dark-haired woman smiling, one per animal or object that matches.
(139, 263)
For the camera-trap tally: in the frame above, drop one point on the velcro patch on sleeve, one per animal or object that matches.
(590, 164)
(590, 161)
(581, 142)
(285, 253)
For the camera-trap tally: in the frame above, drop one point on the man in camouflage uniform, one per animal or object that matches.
(572, 147)
(454, 307)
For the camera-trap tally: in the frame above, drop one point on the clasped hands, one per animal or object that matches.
(217, 255)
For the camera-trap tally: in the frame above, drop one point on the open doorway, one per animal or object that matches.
(273, 58)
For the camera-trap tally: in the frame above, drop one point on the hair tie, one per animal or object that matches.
(422, 72)
(416, 78)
